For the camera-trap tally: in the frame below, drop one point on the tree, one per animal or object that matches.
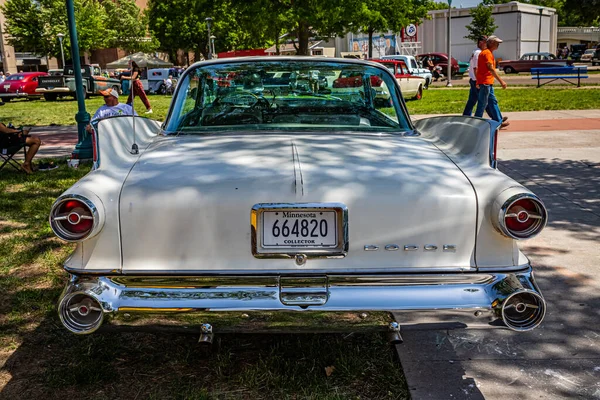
(128, 27)
(33, 25)
(482, 23)
(180, 24)
(24, 27)
(388, 15)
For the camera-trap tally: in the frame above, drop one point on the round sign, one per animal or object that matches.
(411, 30)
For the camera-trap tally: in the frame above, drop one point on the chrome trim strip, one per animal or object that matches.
(339, 251)
(182, 296)
(288, 271)
(493, 137)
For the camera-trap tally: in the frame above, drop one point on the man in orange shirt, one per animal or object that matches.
(486, 73)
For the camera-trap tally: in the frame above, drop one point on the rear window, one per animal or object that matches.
(15, 78)
(287, 95)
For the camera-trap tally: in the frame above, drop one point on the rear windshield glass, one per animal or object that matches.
(15, 78)
(287, 95)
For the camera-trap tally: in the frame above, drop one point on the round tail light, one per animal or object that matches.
(73, 218)
(522, 216)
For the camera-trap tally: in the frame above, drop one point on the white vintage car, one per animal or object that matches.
(277, 208)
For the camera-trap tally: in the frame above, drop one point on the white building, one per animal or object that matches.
(518, 26)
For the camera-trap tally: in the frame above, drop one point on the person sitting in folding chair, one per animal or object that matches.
(12, 141)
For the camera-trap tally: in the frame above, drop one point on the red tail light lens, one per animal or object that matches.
(523, 216)
(72, 219)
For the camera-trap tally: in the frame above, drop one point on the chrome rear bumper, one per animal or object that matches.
(292, 303)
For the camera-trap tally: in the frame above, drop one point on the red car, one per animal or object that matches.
(532, 60)
(21, 85)
(440, 59)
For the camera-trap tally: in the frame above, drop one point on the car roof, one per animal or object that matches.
(26, 74)
(315, 59)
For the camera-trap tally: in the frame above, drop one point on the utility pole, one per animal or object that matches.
(208, 24)
(449, 76)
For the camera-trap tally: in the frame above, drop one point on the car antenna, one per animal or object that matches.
(134, 146)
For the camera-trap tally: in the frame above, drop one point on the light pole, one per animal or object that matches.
(449, 72)
(212, 44)
(60, 37)
(208, 24)
(541, 10)
(83, 148)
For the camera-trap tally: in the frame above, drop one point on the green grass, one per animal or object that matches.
(62, 112)
(435, 101)
(43, 360)
(452, 101)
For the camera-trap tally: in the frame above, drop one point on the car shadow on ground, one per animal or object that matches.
(559, 359)
(569, 188)
(52, 363)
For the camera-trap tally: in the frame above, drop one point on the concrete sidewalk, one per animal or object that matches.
(557, 155)
(59, 141)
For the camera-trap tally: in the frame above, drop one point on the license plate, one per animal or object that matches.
(299, 228)
(6, 86)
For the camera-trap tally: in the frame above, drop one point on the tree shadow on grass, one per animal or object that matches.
(54, 364)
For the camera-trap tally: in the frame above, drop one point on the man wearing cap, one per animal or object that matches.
(473, 92)
(111, 107)
(486, 73)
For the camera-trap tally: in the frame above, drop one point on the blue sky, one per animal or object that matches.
(464, 3)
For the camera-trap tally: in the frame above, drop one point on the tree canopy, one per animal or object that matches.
(482, 23)
(33, 25)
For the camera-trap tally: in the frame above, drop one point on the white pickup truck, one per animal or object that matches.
(413, 67)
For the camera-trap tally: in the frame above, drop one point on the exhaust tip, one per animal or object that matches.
(523, 311)
(80, 313)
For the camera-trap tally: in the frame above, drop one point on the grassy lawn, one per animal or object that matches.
(435, 101)
(452, 101)
(62, 112)
(40, 359)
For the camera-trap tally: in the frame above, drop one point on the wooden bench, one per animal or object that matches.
(556, 73)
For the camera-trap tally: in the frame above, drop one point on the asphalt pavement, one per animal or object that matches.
(557, 155)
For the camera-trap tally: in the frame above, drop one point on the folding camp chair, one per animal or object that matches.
(11, 145)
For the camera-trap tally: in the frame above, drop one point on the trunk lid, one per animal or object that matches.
(186, 204)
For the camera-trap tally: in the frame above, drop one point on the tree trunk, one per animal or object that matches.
(370, 42)
(277, 52)
(303, 36)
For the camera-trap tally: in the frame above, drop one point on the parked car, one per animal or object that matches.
(52, 87)
(413, 67)
(532, 60)
(587, 55)
(20, 85)
(441, 59)
(596, 57)
(292, 210)
(577, 50)
(55, 72)
(411, 85)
